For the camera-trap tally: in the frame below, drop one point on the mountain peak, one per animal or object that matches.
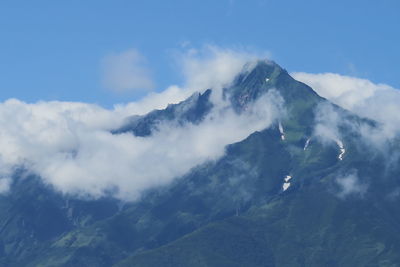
(255, 79)
(262, 70)
(259, 77)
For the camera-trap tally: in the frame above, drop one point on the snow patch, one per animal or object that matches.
(285, 186)
(342, 149)
(281, 131)
(306, 144)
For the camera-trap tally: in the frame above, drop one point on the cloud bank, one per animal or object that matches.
(70, 146)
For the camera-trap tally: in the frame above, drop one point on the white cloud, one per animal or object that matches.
(4, 185)
(379, 102)
(69, 145)
(327, 123)
(350, 184)
(126, 72)
(214, 67)
(156, 100)
(207, 67)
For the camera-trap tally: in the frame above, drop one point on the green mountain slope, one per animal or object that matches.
(313, 229)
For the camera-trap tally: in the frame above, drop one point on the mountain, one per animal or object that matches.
(283, 196)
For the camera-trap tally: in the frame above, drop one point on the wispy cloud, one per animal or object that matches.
(4, 184)
(126, 71)
(203, 68)
(214, 67)
(327, 122)
(379, 102)
(350, 184)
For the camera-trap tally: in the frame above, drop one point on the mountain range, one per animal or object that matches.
(309, 189)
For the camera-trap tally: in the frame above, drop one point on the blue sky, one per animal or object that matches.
(56, 50)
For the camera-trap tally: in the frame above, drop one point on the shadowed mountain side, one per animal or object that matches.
(191, 110)
(311, 228)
